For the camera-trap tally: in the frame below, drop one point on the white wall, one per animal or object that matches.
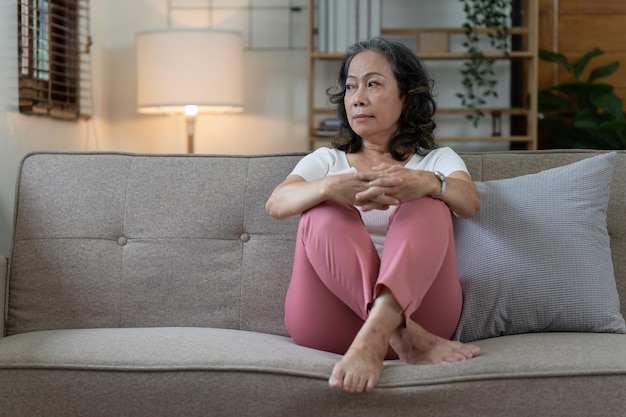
(274, 119)
(275, 95)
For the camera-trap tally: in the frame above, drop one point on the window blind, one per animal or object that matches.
(54, 64)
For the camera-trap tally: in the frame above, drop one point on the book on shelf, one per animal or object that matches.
(328, 127)
(340, 23)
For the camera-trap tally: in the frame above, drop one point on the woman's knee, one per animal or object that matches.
(425, 209)
(330, 214)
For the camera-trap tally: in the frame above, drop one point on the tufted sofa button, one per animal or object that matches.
(122, 241)
(244, 237)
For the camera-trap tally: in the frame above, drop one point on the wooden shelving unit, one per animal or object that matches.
(435, 47)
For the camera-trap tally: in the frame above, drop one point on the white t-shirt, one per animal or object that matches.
(327, 161)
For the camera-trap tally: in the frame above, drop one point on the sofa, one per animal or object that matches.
(153, 285)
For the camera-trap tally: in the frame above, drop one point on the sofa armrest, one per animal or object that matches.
(3, 286)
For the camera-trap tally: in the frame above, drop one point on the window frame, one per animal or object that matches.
(50, 57)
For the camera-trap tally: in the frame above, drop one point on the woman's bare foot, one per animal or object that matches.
(415, 345)
(361, 366)
(358, 370)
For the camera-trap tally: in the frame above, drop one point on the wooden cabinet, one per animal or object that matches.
(433, 44)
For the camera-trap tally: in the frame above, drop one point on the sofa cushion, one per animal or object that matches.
(123, 240)
(537, 257)
(164, 372)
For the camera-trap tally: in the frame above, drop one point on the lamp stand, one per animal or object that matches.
(191, 127)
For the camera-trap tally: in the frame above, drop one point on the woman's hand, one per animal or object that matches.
(345, 188)
(461, 194)
(383, 188)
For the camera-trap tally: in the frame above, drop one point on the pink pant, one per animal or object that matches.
(337, 273)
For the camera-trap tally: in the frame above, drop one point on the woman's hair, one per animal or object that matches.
(416, 124)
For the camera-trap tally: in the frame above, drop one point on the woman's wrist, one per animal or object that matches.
(440, 187)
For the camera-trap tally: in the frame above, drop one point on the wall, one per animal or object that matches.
(20, 134)
(574, 27)
(273, 86)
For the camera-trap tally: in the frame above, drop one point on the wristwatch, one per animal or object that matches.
(443, 179)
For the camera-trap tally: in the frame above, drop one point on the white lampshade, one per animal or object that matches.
(189, 67)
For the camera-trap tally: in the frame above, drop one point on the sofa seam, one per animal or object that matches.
(121, 278)
(512, 376)
(274, 370)
(243, 244)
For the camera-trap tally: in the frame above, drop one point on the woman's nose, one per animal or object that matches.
(358, 98)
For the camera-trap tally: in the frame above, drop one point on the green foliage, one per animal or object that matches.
(479, 78)
(582, 113)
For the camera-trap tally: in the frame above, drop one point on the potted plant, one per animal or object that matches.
(581, 113)
(479, 79)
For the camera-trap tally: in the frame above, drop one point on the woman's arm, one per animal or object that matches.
(295, 194)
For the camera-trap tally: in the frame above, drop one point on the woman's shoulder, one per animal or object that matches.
(321, 162)
(332, 157)
(326, 152)
(441, 151)
(425, 156)
(436, 159)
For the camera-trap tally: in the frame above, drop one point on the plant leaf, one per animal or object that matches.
(606, 139)
(608, 102)
(603, 71)
(586, 119)
(618, 127)
(555, 57)
(579, 66)
(548, 101)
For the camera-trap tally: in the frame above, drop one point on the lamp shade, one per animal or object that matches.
(189, 67)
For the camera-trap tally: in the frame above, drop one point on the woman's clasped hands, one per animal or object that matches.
(389, 185)
(381, 187)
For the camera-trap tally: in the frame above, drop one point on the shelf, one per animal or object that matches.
(433, 43)
(519, 139)
(439, 55)
(324, 111)
(446, 110)
(516, 30)
(485, 110)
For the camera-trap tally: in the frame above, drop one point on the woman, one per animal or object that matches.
(374, 273)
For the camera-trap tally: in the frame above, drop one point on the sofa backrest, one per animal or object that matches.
(121, 240)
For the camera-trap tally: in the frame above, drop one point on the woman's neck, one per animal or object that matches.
(375, 148)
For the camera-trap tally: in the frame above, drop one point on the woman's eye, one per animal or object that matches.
(373, 83)
(349, 86)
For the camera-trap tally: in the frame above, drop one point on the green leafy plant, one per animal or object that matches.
(581, 113)
(479, 78)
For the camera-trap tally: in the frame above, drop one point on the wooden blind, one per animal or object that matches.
(54, 66)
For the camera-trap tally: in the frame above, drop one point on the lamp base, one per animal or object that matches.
(190, 143)
(191, 124)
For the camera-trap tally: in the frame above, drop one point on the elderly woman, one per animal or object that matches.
(374, 274)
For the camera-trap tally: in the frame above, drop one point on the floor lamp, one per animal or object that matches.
(189, 72)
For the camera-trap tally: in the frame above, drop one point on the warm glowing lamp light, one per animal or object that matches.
(189, 72)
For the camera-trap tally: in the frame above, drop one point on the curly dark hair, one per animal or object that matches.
(416, 124)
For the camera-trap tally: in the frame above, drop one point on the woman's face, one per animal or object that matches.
(372, 98)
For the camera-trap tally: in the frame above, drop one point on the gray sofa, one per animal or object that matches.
(153, 285)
